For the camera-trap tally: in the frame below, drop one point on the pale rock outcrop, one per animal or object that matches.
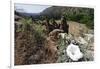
(81, 40)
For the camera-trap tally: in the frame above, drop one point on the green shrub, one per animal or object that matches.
(84, 18)
(26, 24)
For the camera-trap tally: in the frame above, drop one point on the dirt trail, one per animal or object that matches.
(76, 28)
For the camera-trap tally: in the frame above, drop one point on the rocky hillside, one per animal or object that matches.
(59, 10)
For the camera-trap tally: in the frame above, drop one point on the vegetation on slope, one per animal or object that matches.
(78, 14)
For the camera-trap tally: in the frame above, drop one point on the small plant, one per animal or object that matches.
(61, 52)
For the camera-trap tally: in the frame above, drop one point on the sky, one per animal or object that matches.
(30, 8)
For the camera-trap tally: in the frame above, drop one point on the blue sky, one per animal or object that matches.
(30, 8)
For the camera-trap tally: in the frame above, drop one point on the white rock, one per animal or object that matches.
(82, 41)
(89, 36)
(74, 52)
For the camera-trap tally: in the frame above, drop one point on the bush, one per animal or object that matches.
(26, 24)
(84, 18)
